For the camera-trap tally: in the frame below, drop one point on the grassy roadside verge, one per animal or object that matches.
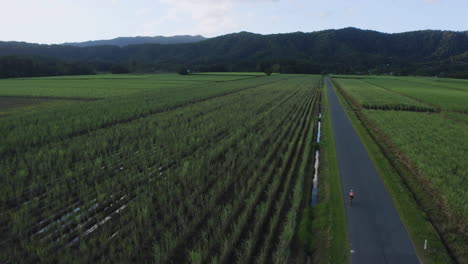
(323, 226)
(414, 218)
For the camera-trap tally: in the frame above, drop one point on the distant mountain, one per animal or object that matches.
(125, 41)
(348, 50)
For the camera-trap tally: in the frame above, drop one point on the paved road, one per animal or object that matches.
(376, 234)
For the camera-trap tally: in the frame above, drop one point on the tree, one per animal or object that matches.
(276, 68)
(31, 66)
(183, 71)
(265, 67)
(119, 69)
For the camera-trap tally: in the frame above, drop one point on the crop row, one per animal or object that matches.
(375, 97)
(62, 159)
(216, 206)
(172, 240)
(74, 176)
(102, 86)
(39, 128)
(439, 95)
(117, 140)
(134, 170)
(400, 107)
(242, 210)
(436, 145)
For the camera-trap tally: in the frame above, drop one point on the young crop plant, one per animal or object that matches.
(428, 137)
(265, 180)
(165, 177)
(441, 95)
(371, 96)
(60, 123)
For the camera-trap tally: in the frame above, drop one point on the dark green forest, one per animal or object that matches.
(125, 41)
(343, 51)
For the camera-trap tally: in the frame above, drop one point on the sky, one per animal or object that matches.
(59, 21)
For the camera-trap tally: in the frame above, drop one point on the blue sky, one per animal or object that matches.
(58, 21)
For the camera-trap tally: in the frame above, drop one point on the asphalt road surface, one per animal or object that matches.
(375, 231)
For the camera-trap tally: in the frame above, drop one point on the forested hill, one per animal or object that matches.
(125, 41)
(348, 50)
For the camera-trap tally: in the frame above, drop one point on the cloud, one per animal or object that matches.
(206, 17)
(324, 14)
(143, 11)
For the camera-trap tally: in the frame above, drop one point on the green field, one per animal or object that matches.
(103, 86)
(437, 145)
(208, 168)
(232, 73)
(438, 93)
(429, 135)
(371, 96)
(160, 169)
(11, 105)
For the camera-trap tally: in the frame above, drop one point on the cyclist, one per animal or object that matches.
(351, 196)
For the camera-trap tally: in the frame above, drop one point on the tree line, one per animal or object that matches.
(344, 51)
(29, 66)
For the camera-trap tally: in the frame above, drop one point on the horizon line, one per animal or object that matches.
(230, 33)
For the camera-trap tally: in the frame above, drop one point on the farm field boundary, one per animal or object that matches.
(430, 108)
(10, 105)
(326, 219)
(439, 95)
(368, 95)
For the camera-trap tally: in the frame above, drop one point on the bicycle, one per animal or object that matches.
(351, 197)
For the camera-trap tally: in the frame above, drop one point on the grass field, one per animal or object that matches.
(15, 105)
(232, 73)
(436, 145)
(439, 93)
(208, 170)
(103, 86)
(432, 145)
(372, 96)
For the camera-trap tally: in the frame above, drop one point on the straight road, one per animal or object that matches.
(376, 233)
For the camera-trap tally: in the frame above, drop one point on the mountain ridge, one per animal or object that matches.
(125, 41)
(347, 50)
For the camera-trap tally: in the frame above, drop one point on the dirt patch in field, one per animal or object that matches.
(11, 104)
